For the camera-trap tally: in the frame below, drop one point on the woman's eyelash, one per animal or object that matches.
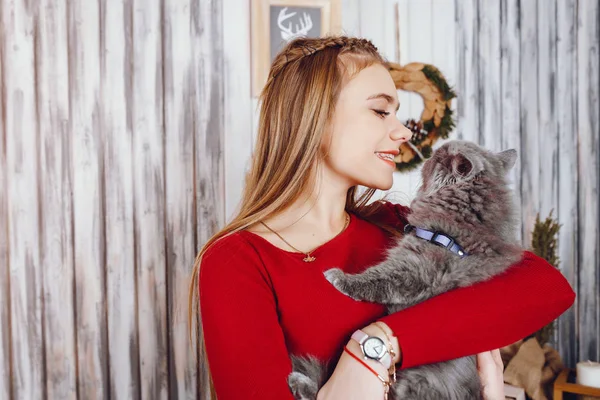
(382, 113)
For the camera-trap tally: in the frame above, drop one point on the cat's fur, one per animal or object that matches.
(465, 195)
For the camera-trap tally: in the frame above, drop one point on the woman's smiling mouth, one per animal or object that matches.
(387, 156)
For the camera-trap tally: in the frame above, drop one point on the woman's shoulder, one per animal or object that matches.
(231, 251)
(227, 244)
(232, 261)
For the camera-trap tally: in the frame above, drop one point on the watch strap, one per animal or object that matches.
(386, 360)
(359, 336)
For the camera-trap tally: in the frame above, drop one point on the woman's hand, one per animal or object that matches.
(491, 374)
(351, 380)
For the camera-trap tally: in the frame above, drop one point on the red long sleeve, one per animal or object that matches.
(484, 316)
(259, 303)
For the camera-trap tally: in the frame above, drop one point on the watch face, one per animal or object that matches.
(374, 347)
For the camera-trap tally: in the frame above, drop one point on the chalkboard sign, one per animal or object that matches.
(276, 22)
(288, 23)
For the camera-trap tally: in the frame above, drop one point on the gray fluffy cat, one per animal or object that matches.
(464, 195)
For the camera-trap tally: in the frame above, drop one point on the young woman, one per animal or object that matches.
(328, 124)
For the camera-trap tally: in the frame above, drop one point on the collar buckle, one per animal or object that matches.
(439, 243)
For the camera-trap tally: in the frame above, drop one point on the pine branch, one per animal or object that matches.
(435, 76)
(544, 243)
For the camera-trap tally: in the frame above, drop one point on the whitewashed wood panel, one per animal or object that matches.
(588, 112)
(404, 112)
(443, 42)
(187, 37)
(468, 84)
(237, 99)
(22, 166)
(350, 17)
(90, 244)
(210, 178)
(547, 132)
(116, 135)
(5, 327)
(510, 83)
(568, 178)
(56, 235)
(489, 74)
(371, 23)
(148, 163)
(421, 50)
(389, 22)
(530, 153)
(210, 173)
(377, 22)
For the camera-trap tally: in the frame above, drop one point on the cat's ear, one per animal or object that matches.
(508, 158)
(461, 166)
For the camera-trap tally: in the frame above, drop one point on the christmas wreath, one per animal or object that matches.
(436, 120)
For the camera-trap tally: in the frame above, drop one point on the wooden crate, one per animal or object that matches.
(565, 383)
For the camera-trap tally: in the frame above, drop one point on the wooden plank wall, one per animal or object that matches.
(126, 129)
(111, 177)
(588, 171)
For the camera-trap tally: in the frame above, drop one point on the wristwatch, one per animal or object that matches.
(373, 348)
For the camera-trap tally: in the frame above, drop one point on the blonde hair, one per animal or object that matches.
(297, 105)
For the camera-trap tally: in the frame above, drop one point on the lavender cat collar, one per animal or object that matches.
(437, 238)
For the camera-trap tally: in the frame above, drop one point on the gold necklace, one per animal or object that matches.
(308, 257)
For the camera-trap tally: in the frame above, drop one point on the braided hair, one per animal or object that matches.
(303, 47)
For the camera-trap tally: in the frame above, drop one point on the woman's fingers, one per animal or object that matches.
(490, 370)
(485, 361)
(497, 358)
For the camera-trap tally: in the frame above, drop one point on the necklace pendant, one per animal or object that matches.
(309, 258)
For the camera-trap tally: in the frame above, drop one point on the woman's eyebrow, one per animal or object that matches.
(386, 97)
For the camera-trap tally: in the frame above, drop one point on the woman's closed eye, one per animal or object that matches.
(382, 113)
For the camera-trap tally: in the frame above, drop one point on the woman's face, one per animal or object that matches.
(365, 128)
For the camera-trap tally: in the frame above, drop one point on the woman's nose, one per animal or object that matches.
(401, 133)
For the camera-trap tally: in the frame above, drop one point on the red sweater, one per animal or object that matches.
(259, 303)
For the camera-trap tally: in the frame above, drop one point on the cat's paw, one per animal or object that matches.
(302, 387)
(336, 277)
(333, 275)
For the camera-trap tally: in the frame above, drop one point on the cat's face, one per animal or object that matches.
(459, 161)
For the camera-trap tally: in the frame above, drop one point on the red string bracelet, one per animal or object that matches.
(386, 384)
